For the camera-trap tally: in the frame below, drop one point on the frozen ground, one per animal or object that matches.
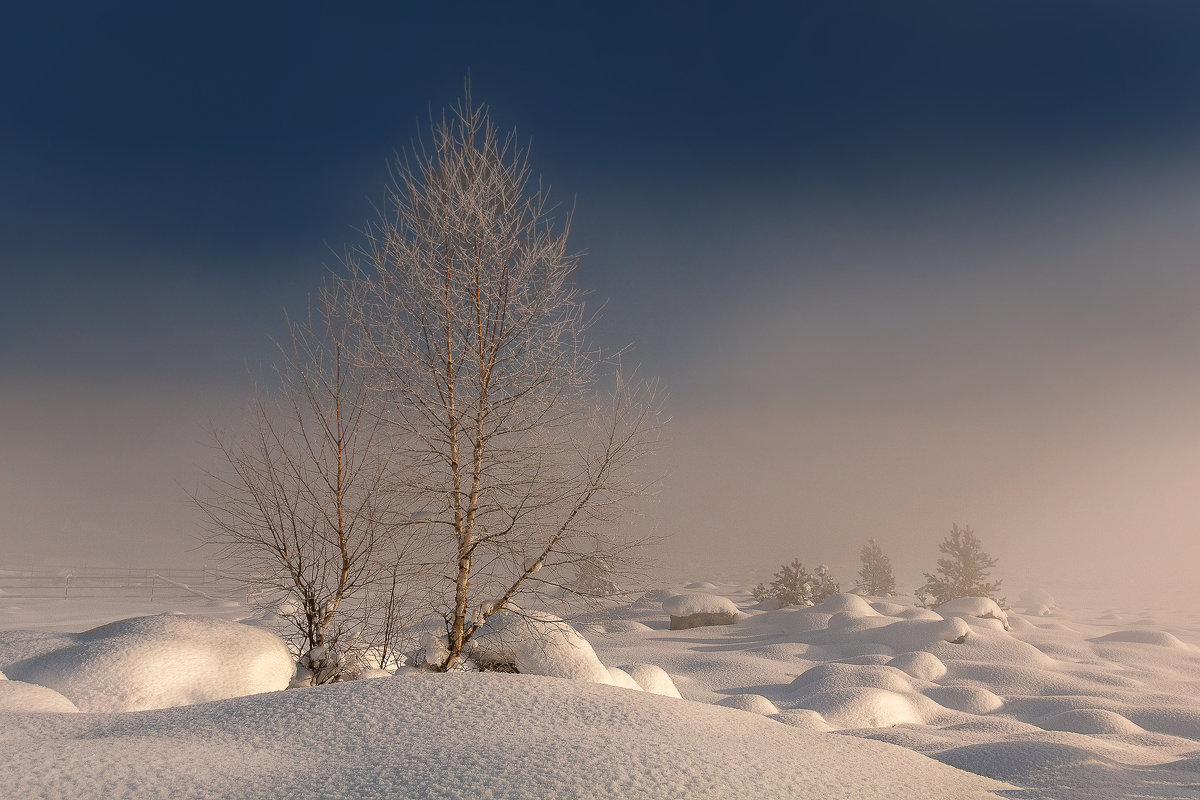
(858, 697)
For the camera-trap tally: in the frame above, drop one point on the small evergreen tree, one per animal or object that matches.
(962, 573)
(875, 577)
(794, 586)
(824, 585)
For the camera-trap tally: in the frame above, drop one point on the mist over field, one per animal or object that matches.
(888, 285)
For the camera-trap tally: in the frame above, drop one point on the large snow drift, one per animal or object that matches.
(156, 662)
(457, 736)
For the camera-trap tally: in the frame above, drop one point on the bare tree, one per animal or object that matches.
(301, 508)
(514, 462)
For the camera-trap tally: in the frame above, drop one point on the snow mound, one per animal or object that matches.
(1158, 638)
(685, 605)
(864, 707)
(754, 703)
(851, 604)
(921, 665)
(652, 679)
(29, 697)
(703, 585)
(1091, 721)
(970, 699)
(504, 737)
(979, 607)
(919, 634)
(623, 679)
(622, 626)
(824, 677)
(888, 608)
(1171, 720)
(1016, 760)
(161, 661)
(537, 643)
(803, 718)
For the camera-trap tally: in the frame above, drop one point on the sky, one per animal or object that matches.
(899, 265)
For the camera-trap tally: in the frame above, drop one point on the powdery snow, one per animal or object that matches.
(458, 736)
(1077, 706)
(978, 607)
(652, 679)
(156, 662)
(29, 697)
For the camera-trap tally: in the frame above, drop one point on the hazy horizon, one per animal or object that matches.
(897, 269)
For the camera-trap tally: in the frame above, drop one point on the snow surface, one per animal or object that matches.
(457, 736)
(978, 607)
(1082, 704)
(29, 697)
(156, 662)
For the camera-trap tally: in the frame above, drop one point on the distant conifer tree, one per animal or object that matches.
(963, 573)
(875, 576)
(794, 586)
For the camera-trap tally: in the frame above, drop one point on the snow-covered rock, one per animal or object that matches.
(697, 610)
(156, 662)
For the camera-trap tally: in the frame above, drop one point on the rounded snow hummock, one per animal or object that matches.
(969, 699)
(754, 703)
(1157, 638)
(1090, 721)
(919, 664)
(979, 607)
(652, 678)
(29, 697)
(156, 662)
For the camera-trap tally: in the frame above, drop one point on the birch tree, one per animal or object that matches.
(517, 444)
(301, 507)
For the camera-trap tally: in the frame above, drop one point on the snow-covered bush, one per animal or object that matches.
(794, 586)
(875, 576)
(594, 578)
(962, 573)
(536, 643)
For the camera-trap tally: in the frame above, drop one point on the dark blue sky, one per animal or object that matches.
(171, 176)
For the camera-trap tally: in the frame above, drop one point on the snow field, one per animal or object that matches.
(1066, 706)
(457, 736)
(1074, 710)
